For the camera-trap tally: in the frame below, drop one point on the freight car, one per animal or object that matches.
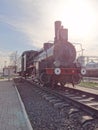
(56, 62)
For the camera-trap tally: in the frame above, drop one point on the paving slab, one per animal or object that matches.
(12, 111)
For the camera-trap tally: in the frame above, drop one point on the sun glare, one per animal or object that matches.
(78, 17)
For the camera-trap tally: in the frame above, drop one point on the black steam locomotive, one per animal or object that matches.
(55, 62)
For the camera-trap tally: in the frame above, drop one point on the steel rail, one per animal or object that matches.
(71, 97)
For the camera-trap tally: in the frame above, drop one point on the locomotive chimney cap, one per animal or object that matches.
(58, 21)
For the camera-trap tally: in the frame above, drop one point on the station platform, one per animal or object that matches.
(12, 111)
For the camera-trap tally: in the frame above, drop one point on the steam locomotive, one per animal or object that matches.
(55, 63)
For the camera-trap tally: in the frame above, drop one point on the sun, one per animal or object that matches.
(78, 16)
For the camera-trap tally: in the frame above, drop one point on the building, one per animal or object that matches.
(9, 71)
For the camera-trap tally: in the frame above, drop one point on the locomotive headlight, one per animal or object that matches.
(57, 63)
(57, 71)
(83, 71)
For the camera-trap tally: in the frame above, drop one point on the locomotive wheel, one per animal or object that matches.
(76, 79)
(44, 78)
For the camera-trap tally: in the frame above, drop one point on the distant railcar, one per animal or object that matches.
(92, 69)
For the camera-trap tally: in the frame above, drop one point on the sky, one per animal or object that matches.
(27, 24)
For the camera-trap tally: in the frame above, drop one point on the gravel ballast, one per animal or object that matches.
(42, 114)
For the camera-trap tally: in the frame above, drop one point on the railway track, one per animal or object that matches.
(85, 101)
(91, 79)
(82, 100)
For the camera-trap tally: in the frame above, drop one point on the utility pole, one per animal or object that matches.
(80, 47)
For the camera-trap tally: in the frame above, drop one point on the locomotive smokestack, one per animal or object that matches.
(64, 34)
(57, 30)
(61, 34)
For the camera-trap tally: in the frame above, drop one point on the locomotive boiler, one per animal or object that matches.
(56, 62)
